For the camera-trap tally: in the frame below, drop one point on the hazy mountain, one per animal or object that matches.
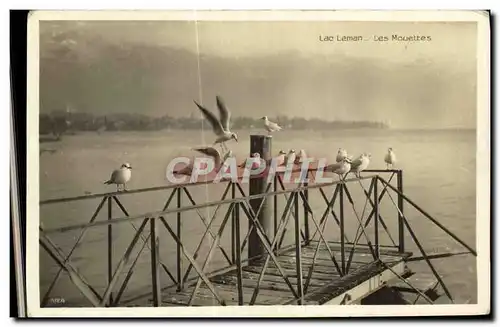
(90, 73)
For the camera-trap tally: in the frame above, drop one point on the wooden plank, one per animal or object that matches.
(265, 297)
(182, 298)
(275, 272)
(356, 284)
(269, 285)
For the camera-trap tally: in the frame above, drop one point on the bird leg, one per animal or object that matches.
(124, 187)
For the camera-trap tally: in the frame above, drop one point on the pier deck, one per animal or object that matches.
(325, 285)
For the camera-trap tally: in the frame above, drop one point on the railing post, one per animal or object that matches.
(262, 145)
(376, 216)
(298, 251)
(237, 245)
(401, 226)
(155, 263)
(275, 205)
(233, 225)
(342, 231)
(110, 246)
(180, 284)
(305, 201)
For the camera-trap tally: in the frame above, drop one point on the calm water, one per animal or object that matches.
(439, 175)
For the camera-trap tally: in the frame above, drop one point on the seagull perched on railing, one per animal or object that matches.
(256, 162)
(219, 126)
(360, 164)
(301, 156)
(390, 158)
(340, 168)
(341, 154)
(280, 158)
(120, 176)
(290, 157)
(271, 126)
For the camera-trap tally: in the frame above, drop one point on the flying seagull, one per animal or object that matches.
(219, 126)
(270, 126)
(390, 158)
(208, 151)
(120, 176)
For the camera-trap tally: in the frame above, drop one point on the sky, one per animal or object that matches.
(280, 67)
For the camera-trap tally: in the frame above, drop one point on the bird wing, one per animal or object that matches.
(356, 163)
(211, 152)
(225, 114)
(216, 125)
(114, 175)
(274, 126)
(333, 167)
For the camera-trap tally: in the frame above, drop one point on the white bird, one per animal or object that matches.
(270, 126)
(280, 158)
(360, 164)
(219, 126)
(290, 157)
(256, 162)
(301, 156)
(341, 154)
(120, 176)
(340, 168)
(208, 151)
(390, 158)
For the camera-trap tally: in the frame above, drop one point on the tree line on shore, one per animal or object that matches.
(59, 123)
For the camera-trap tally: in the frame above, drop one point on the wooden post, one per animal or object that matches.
(401, 227)
(180, 284)
(262, 145)
(110, 246)
(376, 208)
(155, 263)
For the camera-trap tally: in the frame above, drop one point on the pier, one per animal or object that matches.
(265, 243)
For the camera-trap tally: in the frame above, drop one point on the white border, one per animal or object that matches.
(483, 169)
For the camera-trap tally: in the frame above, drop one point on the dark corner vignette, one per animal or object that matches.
(18, 55)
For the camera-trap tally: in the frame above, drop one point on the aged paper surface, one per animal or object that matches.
(115, 90)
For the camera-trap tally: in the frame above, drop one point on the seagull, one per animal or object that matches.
(341, 154)
(256, 162)
(280, 158)
(271, 126)
(300, 157)
(360, 164)
(390, 158)
(120, 176)
(220, 127)
(290, 157)
(340, 168)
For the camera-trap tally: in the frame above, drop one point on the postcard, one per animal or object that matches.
(273, 163)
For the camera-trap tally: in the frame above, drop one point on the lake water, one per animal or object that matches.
(439, 175)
